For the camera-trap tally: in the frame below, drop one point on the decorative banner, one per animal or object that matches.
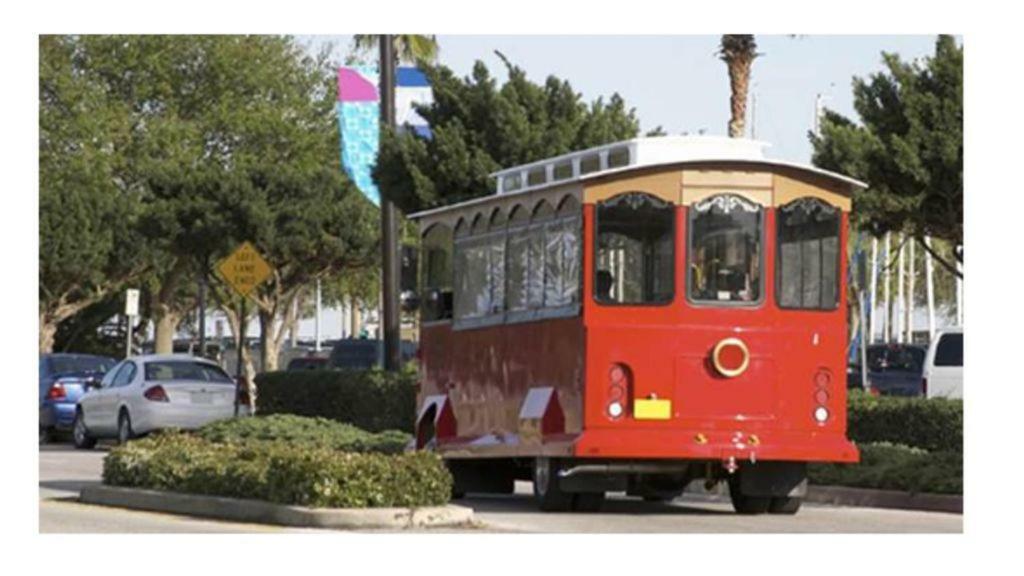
(359, 118)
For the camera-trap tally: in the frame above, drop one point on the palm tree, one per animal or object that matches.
(738, 51)
(409, 48)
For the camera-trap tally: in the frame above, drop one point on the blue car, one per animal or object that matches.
(63, 378)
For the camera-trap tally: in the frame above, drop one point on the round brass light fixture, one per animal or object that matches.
(730, 357)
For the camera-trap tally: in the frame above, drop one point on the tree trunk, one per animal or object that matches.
(166, 325)
(739, 82)
(270, 347)
(47, 333)
(56, 311)
(357, 319)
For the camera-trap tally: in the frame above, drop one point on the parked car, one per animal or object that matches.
(944, 365)
(62, 380)
(896, 369)
(308, 363)
(363, 354)
(146, 393)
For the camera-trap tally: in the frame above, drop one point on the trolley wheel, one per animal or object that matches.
(744, 504)
(785, 505)
(588, 501)
(549, 495)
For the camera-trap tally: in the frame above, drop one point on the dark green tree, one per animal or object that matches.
(908, 147)
(479, 127)
(89, 246)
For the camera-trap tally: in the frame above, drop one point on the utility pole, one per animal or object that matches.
(901, 302)
(910, 293)
(202, 311)
(391, 318)
(887, 274)
(930, 288)
(316, 345)
(873, 301)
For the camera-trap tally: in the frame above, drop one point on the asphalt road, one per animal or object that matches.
(64, 470)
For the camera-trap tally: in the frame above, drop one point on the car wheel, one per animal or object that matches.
(744, 504)
(124, 428)
(549, 495)
(45, 435)
(80, 434)
(785, 505)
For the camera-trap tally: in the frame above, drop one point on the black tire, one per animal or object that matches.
(785, 505)
(45, 435)
(124, 428)
(80, 434)
(588, 501)
(744, 504)
(549, 495)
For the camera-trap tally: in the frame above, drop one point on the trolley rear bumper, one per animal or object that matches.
(799, 446)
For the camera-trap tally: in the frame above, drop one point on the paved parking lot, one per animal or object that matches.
(64, 470)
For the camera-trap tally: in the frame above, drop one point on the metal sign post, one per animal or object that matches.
(131, 310)
(243, 270)
(390, 320)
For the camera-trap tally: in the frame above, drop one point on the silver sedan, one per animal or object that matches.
(146, 393)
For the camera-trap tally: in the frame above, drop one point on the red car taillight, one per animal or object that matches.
(56, 392)
(156, 394)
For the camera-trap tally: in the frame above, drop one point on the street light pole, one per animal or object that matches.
(389, 218)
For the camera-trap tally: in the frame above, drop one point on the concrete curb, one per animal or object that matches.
(864, 497)
(257, 511)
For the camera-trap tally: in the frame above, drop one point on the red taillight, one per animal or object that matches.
(156, 394)
(56, 392)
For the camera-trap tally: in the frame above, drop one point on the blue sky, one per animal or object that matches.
(678, 82)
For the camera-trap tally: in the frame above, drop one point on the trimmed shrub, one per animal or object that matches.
(934, 424)
(279, 472)
(888, 466)
(373, 400)
(304, 432)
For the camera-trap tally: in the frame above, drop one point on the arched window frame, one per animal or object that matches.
(657, 202)
(808, 203)
(726, 201)
(435, 308)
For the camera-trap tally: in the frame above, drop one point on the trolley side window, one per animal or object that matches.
(437, 273)
(634, 250)
(724, 258)
(807, 273)
(476, 260)
(521, 267)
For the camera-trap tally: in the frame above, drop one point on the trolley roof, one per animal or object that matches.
(628, 155)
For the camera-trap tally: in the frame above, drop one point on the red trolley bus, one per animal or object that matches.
(637, 316)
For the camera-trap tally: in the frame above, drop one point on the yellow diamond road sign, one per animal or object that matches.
(244, 269)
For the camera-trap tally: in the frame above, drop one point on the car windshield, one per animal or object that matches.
(73, 364)
(170, 370)
(895, 359)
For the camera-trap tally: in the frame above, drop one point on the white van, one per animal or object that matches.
(944, 365)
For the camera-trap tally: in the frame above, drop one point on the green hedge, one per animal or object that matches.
(278, 472)
(935, 424)
(888, 466)
(304, 432)
(373, 400)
